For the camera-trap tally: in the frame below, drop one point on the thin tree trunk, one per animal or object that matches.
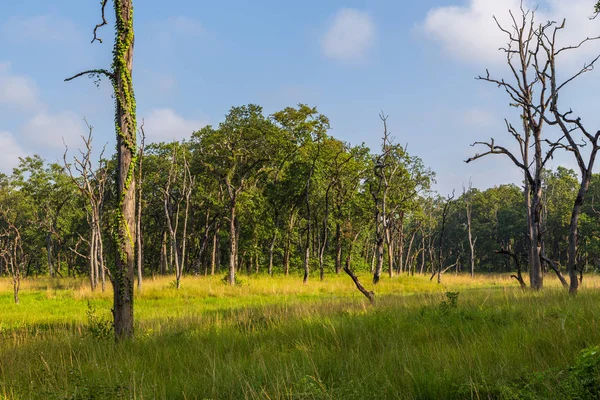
(215, 244)
(338, 249)
(271, 250)
(233, 243)
(49, 253)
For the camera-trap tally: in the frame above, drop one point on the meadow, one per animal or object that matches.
(274, 338)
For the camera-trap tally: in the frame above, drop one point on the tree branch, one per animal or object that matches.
(101, 24)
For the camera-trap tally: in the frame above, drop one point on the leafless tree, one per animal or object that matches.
(91, 183)
(172, 206)
(528, 91)
(582, 143)
(384, 170)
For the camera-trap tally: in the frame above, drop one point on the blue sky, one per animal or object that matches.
(194, 60)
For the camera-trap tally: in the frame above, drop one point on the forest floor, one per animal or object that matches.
(274, 338)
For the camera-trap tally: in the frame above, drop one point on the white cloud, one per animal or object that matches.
(18, 91)
(350, 36)
(43, 28)
(165, 125)
(469, 33)
(11, 151)
(47, 131)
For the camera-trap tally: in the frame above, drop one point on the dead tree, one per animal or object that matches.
(120, 76)
(384, 171)
(91, 184)
(172, 206)
(572, 129)
(528, 91)
(370, 295)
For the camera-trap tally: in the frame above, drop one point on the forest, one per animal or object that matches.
(262, 257)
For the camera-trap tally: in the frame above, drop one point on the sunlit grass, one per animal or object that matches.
(273, 337)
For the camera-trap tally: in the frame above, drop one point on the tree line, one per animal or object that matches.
(276, 195)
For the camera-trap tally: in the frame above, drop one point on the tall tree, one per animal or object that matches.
(530, 95)
(120, 76)
(238, 153)
(572, 129)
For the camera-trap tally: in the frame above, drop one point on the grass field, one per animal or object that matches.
(274, 338)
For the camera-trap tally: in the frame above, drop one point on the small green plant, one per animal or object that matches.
(98, 328)
(451, 302)
(452, 299)
(238, 281)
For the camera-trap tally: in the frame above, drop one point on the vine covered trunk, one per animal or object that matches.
(125, 121)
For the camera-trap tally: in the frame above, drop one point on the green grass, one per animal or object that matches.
(274, 338)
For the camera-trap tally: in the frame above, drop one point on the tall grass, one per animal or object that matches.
(274, 338)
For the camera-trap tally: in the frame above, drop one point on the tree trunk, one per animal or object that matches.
(92, 258)
(126, 153)
(163, 254)
(49, 253)
(573, 230)
(378, 251)
(338, 249)
(271, 250)
(215, 245)
(233, 253)
(536, 277)
(140, 253)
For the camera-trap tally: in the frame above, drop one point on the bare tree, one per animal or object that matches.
(91, 184)
(172, 205)
(528, 91)
(384, 171)
(572, 129)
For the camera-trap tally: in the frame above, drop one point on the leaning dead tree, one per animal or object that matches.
(515, 257)
(120, 76)
(370, 295)
(582, 143)
(529, 91)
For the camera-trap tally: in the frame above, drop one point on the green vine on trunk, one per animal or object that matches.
(125, 101)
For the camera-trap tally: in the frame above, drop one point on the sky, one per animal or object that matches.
(194, 60)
